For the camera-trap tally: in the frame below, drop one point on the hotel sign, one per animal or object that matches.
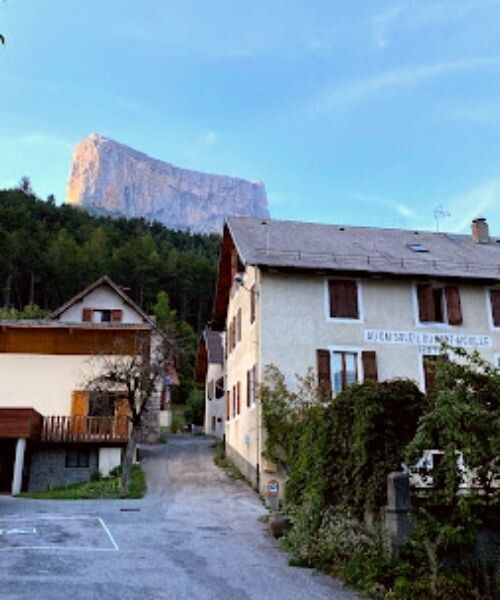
(428, 343)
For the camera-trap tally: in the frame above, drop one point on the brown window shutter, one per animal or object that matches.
(116, 316)
(495, 307)
(79, 403)
(453, 305)
(324, 374)
(228, 405)
(343, 299)
(87, 315)
(249, 386)
(238, 397)
(369, 358)
(425, 302)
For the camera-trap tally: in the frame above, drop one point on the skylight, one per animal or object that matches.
(417, 248)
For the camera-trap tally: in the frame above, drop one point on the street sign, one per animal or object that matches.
(272, 487)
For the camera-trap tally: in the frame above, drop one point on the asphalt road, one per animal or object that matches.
(196, 535)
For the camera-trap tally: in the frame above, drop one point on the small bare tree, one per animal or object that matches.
(137, 375)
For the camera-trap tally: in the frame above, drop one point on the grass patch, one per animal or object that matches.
(223, 462)
(104, 488)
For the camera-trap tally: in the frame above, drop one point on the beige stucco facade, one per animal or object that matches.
(43, 382)
(292, 322)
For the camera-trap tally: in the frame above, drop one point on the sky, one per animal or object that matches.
(355, 112)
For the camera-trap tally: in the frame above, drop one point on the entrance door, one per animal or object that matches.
(7, 455)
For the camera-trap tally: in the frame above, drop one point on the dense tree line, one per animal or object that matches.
(48, 253)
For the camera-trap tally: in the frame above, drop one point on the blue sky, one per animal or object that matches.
(359, 112)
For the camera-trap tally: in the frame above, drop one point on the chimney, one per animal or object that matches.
(480, 231)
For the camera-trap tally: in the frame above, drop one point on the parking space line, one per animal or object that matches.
(113, 541)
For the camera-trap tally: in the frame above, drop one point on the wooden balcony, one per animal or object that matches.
(86, 429)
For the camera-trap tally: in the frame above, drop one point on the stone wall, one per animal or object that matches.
(48, 468)
(150, 424)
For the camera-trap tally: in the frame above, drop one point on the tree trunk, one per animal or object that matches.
(32, 289)
(129, 457)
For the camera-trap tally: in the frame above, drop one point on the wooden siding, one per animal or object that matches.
(86, 429)
(20, 422)
(71, 341)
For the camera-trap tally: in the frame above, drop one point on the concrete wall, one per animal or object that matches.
(48, 468)
(102, 298)
(215, 408)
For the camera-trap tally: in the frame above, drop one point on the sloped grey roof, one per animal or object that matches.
(291, 244)
(215, 352)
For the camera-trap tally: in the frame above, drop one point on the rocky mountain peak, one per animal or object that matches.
(110, 178)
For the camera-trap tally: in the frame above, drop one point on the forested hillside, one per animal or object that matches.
(48, 253)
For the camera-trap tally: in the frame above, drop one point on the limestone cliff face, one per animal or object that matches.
(112, 179)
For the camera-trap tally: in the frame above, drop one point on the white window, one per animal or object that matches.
(345, 369)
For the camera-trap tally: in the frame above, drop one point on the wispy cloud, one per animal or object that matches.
(484, 200)
(400, 208)
(210, 138)
(413, 15)
(36, 139)
(479, 113)
(362, 89)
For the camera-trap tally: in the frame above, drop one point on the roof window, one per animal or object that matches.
(417, 248)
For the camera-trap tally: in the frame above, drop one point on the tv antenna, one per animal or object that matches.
(440, 213)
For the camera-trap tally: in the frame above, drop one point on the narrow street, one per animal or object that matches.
(196, 535)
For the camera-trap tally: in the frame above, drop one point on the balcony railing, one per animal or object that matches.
(86, 429)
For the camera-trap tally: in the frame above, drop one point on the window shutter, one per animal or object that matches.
(369, 358)
(249, 388)
(495, 307)
(343, 299)
(87, 315)
(228, 405)
(453, 305)
(79, 403)
(116, 316)
(425, 302)
(324, 374)
(238, 397)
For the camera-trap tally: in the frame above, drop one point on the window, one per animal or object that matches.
(214, 421)
(345, 370)
(417, 248)
(234, 401)
(238, 326)
(78, 457)
(219, 388)
(238, 398)
(251, 377)
(495, 307)
(343, 299)
(437, 304)
(252, 303)
(210, 389)
(102, 316)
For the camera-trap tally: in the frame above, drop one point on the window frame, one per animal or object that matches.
(489, 307)
(79, 453)
(416, 307)
(326, 296)
(357, 350)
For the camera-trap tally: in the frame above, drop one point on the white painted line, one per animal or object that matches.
(59, 548)
(40, 518)
(113, 541)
